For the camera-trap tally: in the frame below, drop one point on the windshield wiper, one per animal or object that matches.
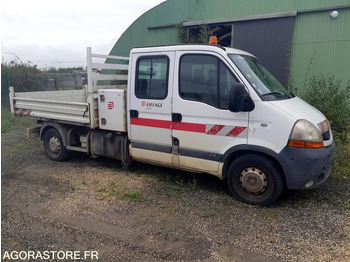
(277, 93)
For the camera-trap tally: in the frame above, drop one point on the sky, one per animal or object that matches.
(56, 33)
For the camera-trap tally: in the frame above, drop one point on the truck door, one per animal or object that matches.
(150, 107)
(204, 128)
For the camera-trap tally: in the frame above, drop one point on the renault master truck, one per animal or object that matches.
(201, 108)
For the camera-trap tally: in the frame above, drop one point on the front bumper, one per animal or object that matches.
(306, 168)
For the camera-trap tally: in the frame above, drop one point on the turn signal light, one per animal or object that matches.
(305, 144)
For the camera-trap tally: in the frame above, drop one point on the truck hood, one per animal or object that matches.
(299, 109)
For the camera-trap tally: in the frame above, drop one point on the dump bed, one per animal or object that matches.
(77, 107)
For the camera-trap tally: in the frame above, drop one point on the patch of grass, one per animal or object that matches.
(6, 125)
(169, 191)
(211, 213)
(20, 147)
(133, 195)
(344, 203)
(266, 213)
(95, 182)
(9, 122)
(341, 167)
(214, 212)
(113, 190)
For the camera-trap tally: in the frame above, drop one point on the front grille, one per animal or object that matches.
(326, 135)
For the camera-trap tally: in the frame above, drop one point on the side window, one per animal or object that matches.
(206, 79)
(152, 77)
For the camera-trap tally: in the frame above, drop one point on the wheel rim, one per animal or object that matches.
(253, 181)
(55, 145)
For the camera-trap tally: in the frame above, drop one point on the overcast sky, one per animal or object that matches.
(56, 33)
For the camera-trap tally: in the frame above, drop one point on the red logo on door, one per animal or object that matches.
(110, 105)
(143, 103)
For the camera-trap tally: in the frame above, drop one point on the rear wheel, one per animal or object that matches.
(255, 180)
(53, 145)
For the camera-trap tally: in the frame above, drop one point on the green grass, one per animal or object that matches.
(133, 195)
(9, 122)
(112, 190)
(266, 213)
(341, 167)
(345, 203)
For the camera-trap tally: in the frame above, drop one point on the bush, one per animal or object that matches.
(325, 93)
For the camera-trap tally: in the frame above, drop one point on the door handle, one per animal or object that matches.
(134, 113)
(176, 117)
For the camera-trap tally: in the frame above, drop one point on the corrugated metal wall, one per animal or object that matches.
(321, 45)
(268, 39)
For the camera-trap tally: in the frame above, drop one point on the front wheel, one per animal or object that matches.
(255, 180)
(53, 145)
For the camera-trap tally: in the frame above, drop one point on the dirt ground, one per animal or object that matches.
(138, 212)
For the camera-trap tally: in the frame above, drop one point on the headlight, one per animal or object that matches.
(305, 135)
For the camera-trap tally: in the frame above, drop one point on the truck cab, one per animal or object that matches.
(219, 111)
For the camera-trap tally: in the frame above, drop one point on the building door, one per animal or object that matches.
(269, 40)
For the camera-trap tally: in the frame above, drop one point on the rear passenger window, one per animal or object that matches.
(204, 78)
(152, 77)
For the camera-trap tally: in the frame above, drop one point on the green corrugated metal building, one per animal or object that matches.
(293, 38)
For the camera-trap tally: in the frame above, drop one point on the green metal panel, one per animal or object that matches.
(316, 35)
(321, 45)
(176, 11)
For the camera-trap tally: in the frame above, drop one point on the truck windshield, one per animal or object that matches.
(264, 83)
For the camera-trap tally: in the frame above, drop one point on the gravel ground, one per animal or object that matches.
(140, 212)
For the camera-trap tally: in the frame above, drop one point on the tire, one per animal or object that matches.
(255, 180)
(53, 145)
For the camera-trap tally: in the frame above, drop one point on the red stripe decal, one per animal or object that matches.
(151, 122)
(181, 126)
(236, 131)
(215, 129)
(190, 127)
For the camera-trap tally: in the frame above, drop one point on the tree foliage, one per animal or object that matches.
(198, 35)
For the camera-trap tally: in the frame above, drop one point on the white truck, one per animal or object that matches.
(201, 108)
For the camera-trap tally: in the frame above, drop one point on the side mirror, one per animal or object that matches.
(240, 100)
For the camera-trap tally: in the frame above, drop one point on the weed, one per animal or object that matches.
(170, 191)
(218, 209)
(344, 203)
(19, 147)
(214, 212)
(114, 191)
(95, 182)
(211, 213)
(133, 195)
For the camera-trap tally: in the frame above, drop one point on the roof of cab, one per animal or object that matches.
(189, 47)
